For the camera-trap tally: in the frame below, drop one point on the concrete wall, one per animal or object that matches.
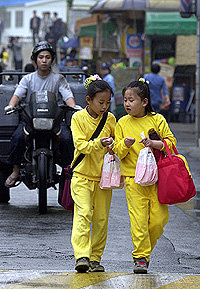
(58, 6)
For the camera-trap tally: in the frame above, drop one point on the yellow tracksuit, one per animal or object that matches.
(91, 204)
(147, 216)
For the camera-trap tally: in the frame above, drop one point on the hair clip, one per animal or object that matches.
(90, 79)
(143, 80)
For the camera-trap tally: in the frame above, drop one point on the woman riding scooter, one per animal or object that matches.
(42, 79)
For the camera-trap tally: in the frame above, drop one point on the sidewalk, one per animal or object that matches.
(185, 135)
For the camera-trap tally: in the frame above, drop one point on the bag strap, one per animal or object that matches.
(168, 150)
(94, 135)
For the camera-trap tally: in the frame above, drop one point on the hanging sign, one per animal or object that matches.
(133, 45)
(86, 48)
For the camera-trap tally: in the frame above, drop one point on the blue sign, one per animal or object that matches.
(133, 41)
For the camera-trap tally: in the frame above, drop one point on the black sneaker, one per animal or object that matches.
(82, 265)
(140, 266)
(95, 266)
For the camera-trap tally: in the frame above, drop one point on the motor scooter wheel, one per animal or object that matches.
(42, 186)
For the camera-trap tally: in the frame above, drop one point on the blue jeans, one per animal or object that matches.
(18, 145)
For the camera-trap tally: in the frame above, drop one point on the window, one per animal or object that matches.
(7, 19)
(19, 19)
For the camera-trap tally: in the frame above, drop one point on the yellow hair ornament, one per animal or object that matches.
(90, 79)
(143, 80)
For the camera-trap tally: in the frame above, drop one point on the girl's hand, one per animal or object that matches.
(106, 141)
(147, 142)
(129, 141)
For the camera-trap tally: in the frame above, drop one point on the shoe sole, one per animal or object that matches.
(96, 270)
(82, 268)
(140, 271)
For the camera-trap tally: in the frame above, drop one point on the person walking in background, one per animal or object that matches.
(147, 216)
(158, 88)
(42, 28)
(1, 28)
(91, 204)
(63, 54)
(4, 56)
(56, 30)
(48, 25)
(107, 76)
(16, 48)
(45, 26)
(34, 26)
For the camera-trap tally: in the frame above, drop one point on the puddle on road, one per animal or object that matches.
(192, 207)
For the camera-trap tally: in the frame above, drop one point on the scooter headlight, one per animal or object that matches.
(43, 123)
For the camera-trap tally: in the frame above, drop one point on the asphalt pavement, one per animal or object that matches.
(36, 251)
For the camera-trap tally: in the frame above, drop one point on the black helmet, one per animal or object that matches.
(41, 46)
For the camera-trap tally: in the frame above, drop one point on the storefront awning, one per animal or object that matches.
(163, 5)
(169, 23)
(90, 30)
(112, 6)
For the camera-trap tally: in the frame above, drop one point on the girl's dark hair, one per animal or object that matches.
(143, 92)
(98, 86)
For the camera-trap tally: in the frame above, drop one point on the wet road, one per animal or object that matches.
(36, 251)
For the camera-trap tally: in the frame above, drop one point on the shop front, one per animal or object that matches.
(171, 41)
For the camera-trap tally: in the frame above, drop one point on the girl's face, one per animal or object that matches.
(133, 104)
(99, 104)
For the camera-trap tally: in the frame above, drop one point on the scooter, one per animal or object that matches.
(42, 118)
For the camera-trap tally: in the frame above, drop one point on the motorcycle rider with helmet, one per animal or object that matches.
(42, 79)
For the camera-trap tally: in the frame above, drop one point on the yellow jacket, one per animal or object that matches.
(83, 125)
(129, 126)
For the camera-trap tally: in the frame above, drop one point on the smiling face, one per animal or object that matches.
(99, 104)
(133, 103)
(44, 60)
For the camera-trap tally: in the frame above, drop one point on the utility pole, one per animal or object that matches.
(69, 4)
(99, 42)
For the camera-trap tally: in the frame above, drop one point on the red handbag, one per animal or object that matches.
(175, 183)
(64, 196)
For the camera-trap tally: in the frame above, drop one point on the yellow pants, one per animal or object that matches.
(91, 205)
(147, 217)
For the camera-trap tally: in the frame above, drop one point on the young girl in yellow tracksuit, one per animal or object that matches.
(147, 216)
(91, 204)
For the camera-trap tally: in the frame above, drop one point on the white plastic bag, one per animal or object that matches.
(146, 172)
(111, 174)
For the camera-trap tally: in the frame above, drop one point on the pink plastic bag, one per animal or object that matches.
(146, 172)
(111, 174)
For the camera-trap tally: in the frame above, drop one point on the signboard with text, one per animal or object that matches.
(134, 49)
(86, 48)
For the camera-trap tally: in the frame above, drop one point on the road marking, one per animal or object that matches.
(71, 280)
